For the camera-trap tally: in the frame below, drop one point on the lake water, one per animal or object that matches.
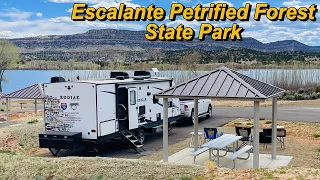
(17, 79)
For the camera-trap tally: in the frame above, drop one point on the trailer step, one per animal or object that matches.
(133, 140)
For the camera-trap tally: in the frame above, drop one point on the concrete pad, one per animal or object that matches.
(184, 157)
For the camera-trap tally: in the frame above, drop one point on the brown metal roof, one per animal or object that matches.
(223, 83)
(32, 92)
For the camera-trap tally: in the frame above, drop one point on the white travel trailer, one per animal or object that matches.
(90, 112)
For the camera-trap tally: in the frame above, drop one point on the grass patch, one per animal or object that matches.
(237, 123)
(268, 122)
(316, 135)
(282, 171)
(26, 134)
(8, 152)
(24, 167)
(269, 176)
(33, 121)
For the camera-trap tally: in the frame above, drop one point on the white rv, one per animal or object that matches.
(90, 112)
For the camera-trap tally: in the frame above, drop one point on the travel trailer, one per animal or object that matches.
(90, 112)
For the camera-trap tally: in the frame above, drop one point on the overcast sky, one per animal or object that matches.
(25, 18)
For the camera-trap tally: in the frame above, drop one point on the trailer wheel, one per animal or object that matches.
(141, 135)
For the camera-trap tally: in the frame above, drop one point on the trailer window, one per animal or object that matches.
(132, 97)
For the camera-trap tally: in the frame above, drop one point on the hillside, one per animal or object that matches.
(111, 44)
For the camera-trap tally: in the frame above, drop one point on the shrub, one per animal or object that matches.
(268, 122)
(2, 110)
(33, 121)
(300, 91)
(262, 119)
(316, 135)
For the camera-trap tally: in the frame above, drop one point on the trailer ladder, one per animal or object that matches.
(133, 140)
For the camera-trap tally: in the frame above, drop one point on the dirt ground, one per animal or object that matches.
(18, 143)
(300, 142)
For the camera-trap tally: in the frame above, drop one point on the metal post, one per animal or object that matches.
(256, 135)
(195, 139)
(7, 106)
(35, 107)
(44, 107)
(274, 128)
(165, 129)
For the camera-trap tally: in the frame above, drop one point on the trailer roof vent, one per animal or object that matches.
(142, 73)
(57, 79)
(125, 75)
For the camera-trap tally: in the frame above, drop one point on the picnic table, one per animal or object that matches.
(221, 143)
(21, 103)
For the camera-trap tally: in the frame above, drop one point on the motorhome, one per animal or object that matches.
(90, 112)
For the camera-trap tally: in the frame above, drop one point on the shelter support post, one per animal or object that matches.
(256, 134)
(274, 128)
(165, 129)
(7, 107)
(35, 107)
(196, 122)
(44, 106)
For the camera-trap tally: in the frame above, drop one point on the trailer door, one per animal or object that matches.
(133, 108)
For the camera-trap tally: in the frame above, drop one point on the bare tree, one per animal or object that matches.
(191, 60)
(9, 54)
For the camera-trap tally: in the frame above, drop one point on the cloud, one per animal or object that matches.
(298, 4)
(254, 4)
(215, 2)
(39, 14)
(106, 3)
(184, 1)
(291, 3)
(75, 1)
(15, 14)
(62, 25)
(5, 34)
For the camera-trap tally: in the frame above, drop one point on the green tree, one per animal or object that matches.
(9, 54)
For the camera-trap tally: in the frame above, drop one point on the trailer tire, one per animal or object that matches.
(209, 115)
(141, 135)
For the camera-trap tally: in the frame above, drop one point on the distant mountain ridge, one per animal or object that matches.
(104, 37)
(112, 44)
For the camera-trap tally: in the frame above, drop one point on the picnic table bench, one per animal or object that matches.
(222, 143)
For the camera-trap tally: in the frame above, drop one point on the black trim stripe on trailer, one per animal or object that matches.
(157, 88)
(109, 92)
